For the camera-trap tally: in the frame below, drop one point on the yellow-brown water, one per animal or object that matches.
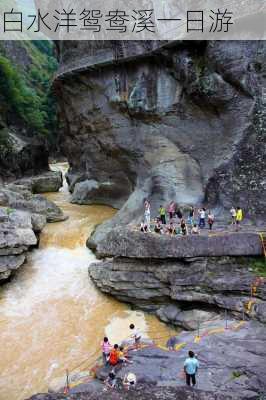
(51, 315)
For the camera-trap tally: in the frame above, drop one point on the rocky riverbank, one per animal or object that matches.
(143, 392)
(183, 279)
(23, 215)
(231, 360)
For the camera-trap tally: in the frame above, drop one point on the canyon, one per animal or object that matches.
(179, 121)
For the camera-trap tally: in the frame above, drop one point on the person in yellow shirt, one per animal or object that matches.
(123, 358)
(239, 216)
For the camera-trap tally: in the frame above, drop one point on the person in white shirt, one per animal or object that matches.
(202, 215)
(136, 335)
(147, 214)
(233, 215)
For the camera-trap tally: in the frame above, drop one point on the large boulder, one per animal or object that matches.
(21, 198)
(16, 237)
(50, 181)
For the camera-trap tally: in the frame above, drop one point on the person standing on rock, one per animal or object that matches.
(191, 367)
(202, 215)
(178, 213)
(191, 216)
(171, 209)
(239, 217)
(162, 212)
(147, 214)
(233, 215)
(135, 335)
(106, 348)
(210, 220)
(114, 356)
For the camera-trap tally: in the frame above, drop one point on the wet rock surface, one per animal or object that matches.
(23, 215)
(181, 122)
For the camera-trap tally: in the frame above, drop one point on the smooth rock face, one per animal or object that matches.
(183, 123)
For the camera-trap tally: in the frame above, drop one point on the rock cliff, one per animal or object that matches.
(165, 121)
(23, 215)
(27, 108)
(186, 279)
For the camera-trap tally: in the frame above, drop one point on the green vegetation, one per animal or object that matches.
(25, 91)
(258, 266)
(237, 374)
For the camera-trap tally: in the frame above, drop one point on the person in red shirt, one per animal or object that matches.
(114, 356)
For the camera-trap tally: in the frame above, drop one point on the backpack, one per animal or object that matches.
(113, 359)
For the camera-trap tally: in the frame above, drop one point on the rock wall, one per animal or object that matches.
(183, 280)
(27, 110)
(23, 215)
(182, 121)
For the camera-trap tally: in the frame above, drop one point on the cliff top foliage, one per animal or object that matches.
(26, 99)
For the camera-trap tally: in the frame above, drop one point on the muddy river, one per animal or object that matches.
(51, 315)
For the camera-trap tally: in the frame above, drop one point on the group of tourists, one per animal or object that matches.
(236, 215)
(172, 221)
(115, 356)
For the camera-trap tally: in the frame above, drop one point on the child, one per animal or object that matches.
(195, 230)
(110, 381)
(129, 381)
(135, 335)
(113, 359)
(122, 356)
(106, 347)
